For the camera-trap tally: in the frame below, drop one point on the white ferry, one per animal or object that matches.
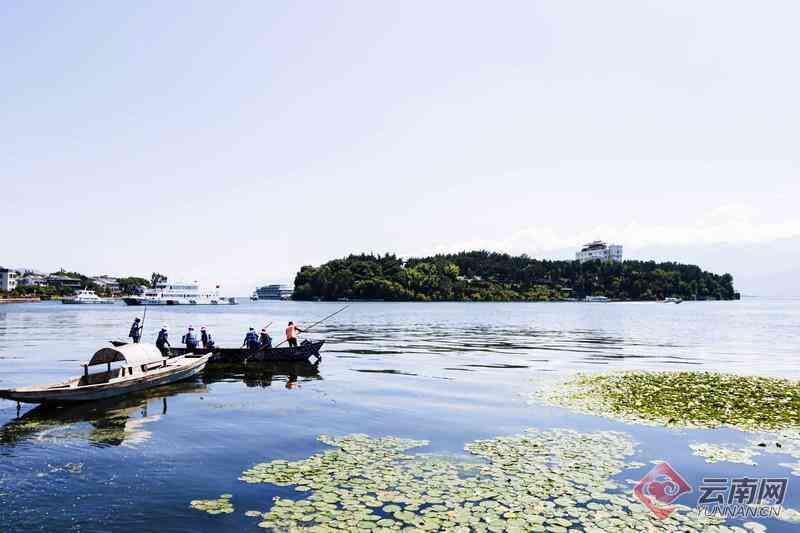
(273, 292)
(85, 296)
(181, 293)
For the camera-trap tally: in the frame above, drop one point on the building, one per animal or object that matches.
(33, 280)
(63, 282)
(8, 279)
(274, 292)
(106, 282)
(600, 251)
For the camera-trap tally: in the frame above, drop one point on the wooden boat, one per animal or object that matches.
(241, 355)
(143, 367)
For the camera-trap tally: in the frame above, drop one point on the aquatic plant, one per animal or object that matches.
(714, 453)
(220, 505)
(554, 480)
(690, 399)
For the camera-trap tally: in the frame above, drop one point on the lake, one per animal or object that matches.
(449, 373)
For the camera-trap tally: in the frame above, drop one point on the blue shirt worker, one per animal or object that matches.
(264, 340)
(190, 340)
(251, 340)
(136, 330)
(162, 341)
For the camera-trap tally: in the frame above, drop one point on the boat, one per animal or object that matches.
(274, 292)
(179, 293)
(672, 300)
(143, 367)
(596, 299)
(85, 296)
(244, 355)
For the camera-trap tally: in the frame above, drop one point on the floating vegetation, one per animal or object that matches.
(715, 453)
(221, 505)
(691, 399)
(556, 480)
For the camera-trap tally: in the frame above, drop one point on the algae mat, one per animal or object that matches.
(687, 399)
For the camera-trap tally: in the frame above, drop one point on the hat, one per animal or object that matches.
(191, 328)
(203, 328)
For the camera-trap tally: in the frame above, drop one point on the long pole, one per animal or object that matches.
(144, 316)
(318, 322)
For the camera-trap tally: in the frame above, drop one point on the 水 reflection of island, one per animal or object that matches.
(110, 422)
(263, 374)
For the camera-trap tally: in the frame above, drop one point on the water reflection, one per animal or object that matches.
(122, 421)
(110, 422)
(263, 374)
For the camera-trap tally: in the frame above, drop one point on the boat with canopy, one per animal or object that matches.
(140, 367)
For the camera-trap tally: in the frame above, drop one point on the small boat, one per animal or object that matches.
(672, 300)
(85, 296)
(241, 355)
(596, 299)
(143, 367)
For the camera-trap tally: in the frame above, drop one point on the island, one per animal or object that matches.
(495, 277)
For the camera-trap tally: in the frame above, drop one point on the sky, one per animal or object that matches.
(233, 142)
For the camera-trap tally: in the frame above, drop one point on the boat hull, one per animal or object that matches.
(68, 394)
(242, 355)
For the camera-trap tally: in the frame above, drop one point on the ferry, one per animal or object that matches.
(274, 292)
(181, 293)
(85, 296)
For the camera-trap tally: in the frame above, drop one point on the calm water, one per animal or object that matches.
(449, 373)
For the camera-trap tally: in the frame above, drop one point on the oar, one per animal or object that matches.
(318, 322)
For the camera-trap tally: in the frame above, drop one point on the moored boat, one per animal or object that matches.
(142, 367)
(672, 300)
(85, 296)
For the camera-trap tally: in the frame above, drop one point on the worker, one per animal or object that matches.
(136, 330)
(291, 334)
(251, 340)
(264, 340)
(205, 338)
(162, 341)
(190, 340)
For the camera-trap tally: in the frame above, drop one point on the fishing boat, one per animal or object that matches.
(241, 355)
(142, 366)
(85, 296)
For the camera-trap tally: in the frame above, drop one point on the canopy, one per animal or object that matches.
(133, 354)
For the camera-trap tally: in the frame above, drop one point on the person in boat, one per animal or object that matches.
(162, 341)
(205, 338)
(136, 330)
(251, 339)
(291, 334)
(190, 340)
(264, 340)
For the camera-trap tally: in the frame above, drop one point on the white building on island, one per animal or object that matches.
(8, 279)
(600, 251)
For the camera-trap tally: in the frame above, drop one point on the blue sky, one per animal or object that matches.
(233, 142)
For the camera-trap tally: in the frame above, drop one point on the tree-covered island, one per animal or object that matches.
(488, 276)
